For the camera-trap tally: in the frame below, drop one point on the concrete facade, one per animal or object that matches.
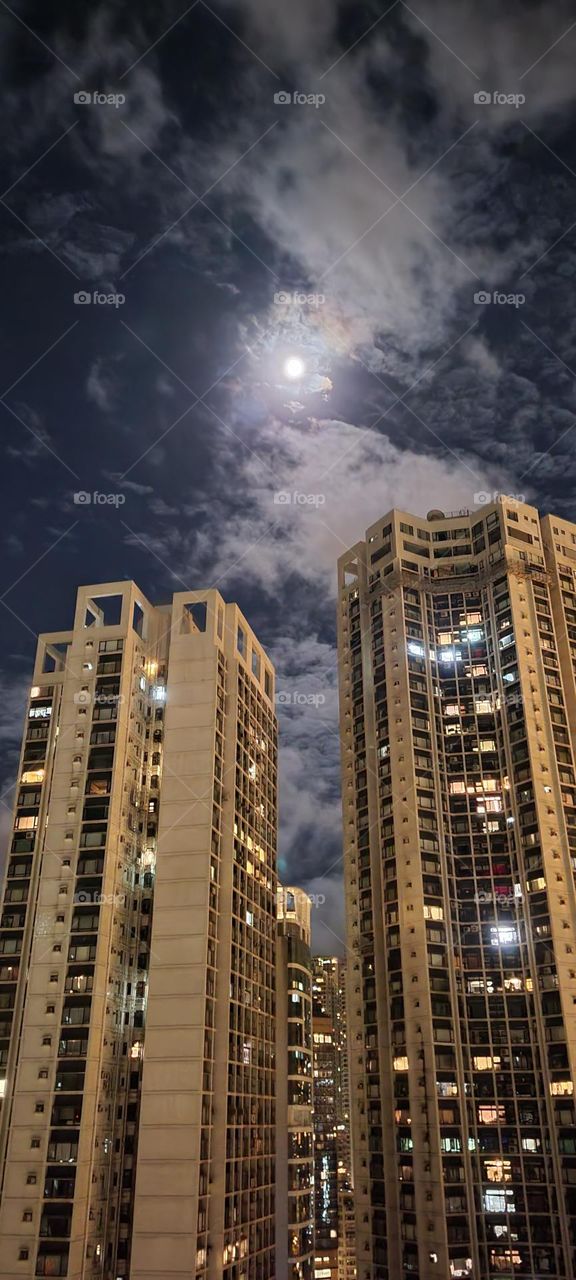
(457, 639)
(137, 950)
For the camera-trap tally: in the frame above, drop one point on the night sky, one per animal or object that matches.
(379, 200)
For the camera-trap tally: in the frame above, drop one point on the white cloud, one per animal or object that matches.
(511, 50)
(100, 387)
(351, 478)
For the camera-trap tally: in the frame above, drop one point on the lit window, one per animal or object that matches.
(490, 805)
(450, 1144)
(499, 1202)
(449, 655)
(491, 1115)
(504, 1261)
(400, 1064)
(433, 913)
(416, 649)
(562, 1088)
(503, 936)
(498, 1170)
(33, 775)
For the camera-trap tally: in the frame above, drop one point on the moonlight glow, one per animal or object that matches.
(294, 367)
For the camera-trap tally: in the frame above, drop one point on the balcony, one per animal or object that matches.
(66, 1112)
(55, 1226)
(52, 1264)
(70, 1081)
(59, 1187)
(62, 1150)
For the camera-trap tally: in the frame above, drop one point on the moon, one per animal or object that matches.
(294, 368)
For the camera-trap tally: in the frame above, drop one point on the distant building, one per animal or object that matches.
(457, 642)
(346, 1234)
(332, 1174)
(295, 1135)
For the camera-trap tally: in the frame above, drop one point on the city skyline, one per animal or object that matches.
(290, 315)
(423, 1129)
(287, 400)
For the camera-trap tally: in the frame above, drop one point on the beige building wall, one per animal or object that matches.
(99, 765)
(74, 1022)
(198, 1211)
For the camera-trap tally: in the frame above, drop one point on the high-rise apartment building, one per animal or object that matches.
(458, 713)
(346, 1234)
(295, 1132)
(331, 1112)
(137, 1045)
